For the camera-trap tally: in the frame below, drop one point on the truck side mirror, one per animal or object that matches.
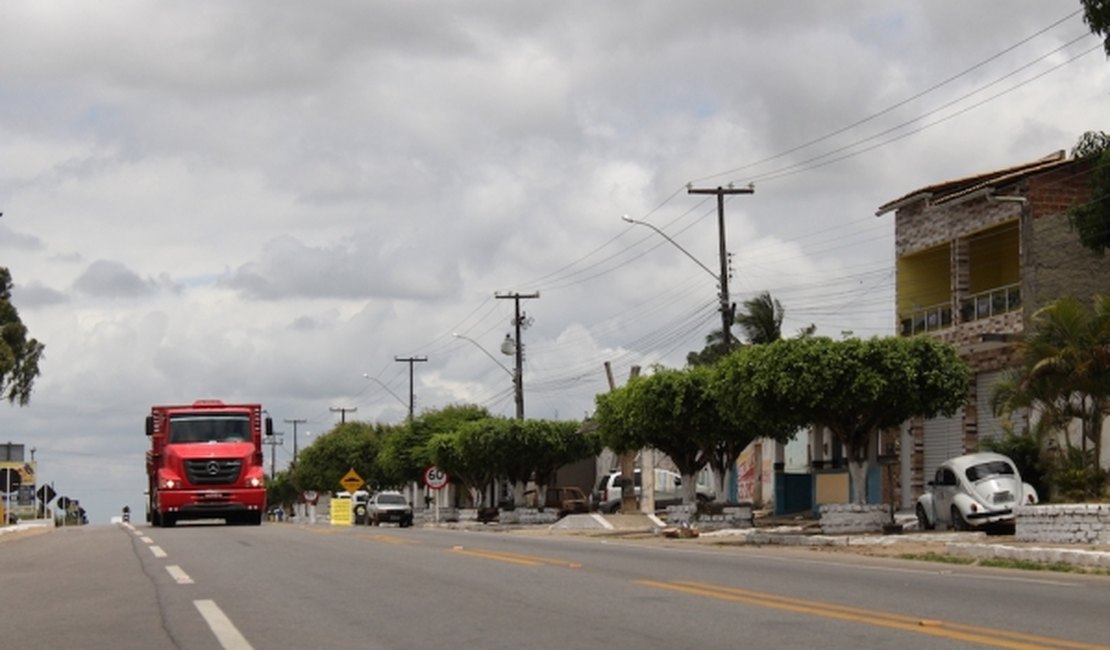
(149, 425)
(269, 426)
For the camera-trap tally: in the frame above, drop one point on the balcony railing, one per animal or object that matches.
(929, 319)
(991, 303)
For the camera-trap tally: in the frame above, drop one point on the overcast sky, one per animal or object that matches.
(263, 200)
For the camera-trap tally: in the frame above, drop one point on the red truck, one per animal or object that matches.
(205, 462)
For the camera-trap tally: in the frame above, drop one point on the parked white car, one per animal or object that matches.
(668, 490)
(973, 491)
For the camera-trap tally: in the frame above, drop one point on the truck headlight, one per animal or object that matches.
(256, 482)
(168, 484)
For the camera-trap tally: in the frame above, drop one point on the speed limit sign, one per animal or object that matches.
(435, 478)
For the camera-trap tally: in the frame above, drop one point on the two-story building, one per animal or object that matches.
(976, 258)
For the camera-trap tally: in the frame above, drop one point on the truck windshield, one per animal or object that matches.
(209, 428)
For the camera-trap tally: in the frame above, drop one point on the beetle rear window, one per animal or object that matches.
(988, 469)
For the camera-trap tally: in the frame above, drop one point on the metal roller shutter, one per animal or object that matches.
(990, 427)
(943, 440)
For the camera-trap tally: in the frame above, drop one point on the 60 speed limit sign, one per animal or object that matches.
(435, 478)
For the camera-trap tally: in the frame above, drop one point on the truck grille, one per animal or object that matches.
(213, 471)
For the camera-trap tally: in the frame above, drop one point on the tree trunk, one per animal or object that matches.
(689, 489)
(628, 486)
(857, 470)
(721, 486)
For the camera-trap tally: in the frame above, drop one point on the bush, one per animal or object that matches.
(1077, 477)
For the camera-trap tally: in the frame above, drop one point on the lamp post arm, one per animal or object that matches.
(485, 352)
(382, 384)
(674, 243)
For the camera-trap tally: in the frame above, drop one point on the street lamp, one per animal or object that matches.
(518, 386)
(382, 384)
(722, 286)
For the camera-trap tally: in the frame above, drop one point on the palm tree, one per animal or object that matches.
(762, 320)
(1065, 371)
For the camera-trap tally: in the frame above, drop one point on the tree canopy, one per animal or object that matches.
(683, 414)
(1096, 13)
(352, 445)
(19, 355)
(405, 454)
(855, 388)
(1091, 218)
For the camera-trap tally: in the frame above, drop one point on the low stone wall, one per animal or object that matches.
(851, 518)
(529, 516)
(721, 516)
(1063, 523)
(1078, 557)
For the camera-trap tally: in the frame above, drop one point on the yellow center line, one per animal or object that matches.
(913, 620)
(389, 539)
(514, 558)
(985, 636)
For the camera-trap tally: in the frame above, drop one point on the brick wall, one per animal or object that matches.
(1063, 524)
(917, 228)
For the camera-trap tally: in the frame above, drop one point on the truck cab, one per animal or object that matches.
(205, 462)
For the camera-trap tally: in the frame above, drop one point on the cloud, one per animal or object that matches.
(108, 279)
(35, 294)
(360, 267)
(12, 239)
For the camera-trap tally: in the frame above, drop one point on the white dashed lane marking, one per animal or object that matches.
(179, 575)
(226, 632)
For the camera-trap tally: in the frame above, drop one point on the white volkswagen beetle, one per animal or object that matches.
(973, 491)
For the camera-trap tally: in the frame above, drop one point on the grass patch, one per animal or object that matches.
(1002, 563)
(937, 557)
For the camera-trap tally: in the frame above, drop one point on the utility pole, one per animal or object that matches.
(273, 441)
(295, 422)
(342, 411)
(412, 395)
(726, 303)
(518, 323)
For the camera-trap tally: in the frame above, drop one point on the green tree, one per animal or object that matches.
(856, 388)
(536, 449)
(405, 452)
(470, 454)
(352, 445)
(1091, 218)
(714, 349)
(281, 491)
(19, 355)
(670, 410)
(1096, 13)
(744, 419)
(1065, 374)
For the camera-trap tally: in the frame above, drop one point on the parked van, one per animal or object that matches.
(668, 490)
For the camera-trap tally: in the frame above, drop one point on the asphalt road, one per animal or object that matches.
(289, 586)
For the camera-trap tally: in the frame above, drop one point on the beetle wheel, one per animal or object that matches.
(958, 521)
(923, 519)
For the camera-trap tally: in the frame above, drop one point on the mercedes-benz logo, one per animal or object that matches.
(213, 468)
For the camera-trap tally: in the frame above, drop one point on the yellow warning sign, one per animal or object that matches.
(351, 481)
(341, 511)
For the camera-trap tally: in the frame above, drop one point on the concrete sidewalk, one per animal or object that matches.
(971, 544)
